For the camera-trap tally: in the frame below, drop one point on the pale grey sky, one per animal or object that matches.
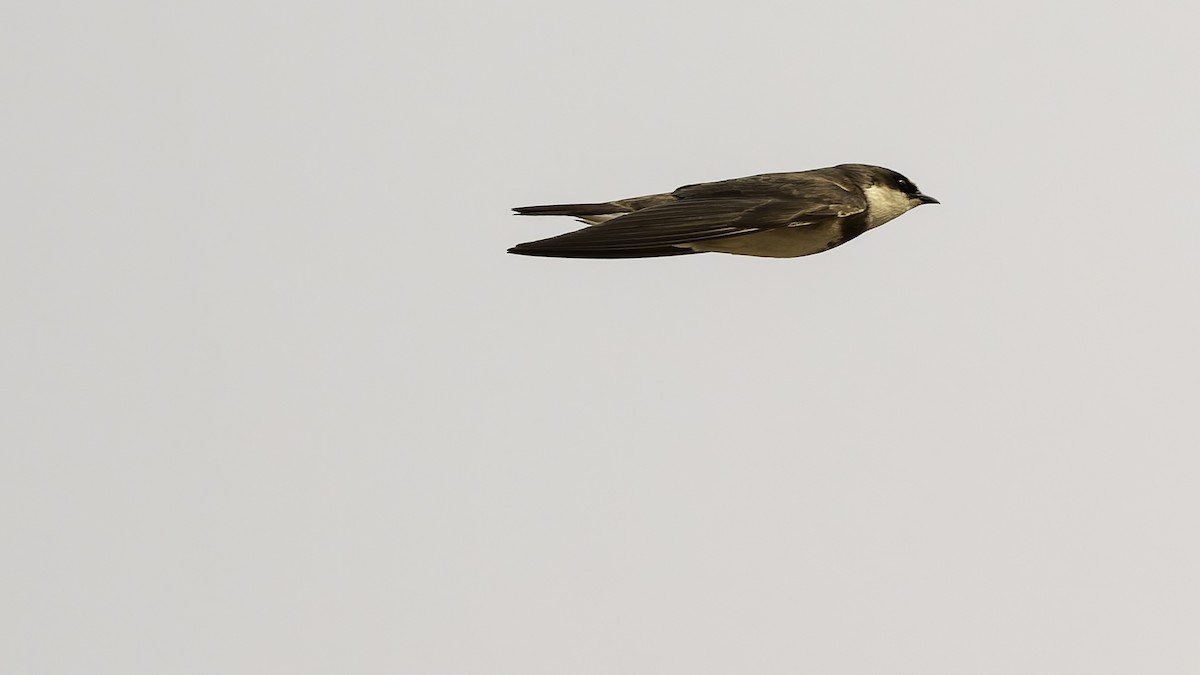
(278, 402)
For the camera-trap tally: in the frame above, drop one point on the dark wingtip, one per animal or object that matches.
(526, 249)
(522, 250)
(539, 252)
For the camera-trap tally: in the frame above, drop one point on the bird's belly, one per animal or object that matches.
(789, 242)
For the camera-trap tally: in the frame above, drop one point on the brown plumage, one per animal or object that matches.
(781, 215)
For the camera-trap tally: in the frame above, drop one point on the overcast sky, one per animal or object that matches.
(277, 400)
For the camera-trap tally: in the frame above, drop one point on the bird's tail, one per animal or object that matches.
(577, 210)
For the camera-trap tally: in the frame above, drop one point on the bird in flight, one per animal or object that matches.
(774, 215)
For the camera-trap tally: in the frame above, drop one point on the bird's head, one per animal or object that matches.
(888, 193)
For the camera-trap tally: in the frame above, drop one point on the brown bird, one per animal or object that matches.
(774, 215)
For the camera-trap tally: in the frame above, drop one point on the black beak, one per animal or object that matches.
(926, 199)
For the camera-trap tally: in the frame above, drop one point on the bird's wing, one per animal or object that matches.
(702, 212)
(800, 186)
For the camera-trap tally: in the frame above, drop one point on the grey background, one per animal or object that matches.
(276, 401)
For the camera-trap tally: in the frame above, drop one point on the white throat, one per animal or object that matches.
(884, 203)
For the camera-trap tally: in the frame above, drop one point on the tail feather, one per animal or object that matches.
(602, 209)
(592, 214)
